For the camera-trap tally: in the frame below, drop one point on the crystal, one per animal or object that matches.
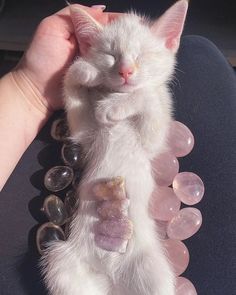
(71, 155)
(164, 204)
(181, 140)
(113, 209)
(76, 179)
(116, 228)
(165, 168)
(60, 130)
(70, 202)
(48, 232)
(188, 187)
(177, 254)
(161, 229)
(184, 224)
(184, 287)
(55, 210)
(111, 244)
(112, 189)
(58, 178)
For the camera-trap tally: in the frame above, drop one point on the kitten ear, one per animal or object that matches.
(86, 28)
(170, 25)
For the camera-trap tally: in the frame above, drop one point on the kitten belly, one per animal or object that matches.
(124, 157)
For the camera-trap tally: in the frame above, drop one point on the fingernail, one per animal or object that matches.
(102, 7)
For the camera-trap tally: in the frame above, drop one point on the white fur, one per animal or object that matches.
(121, 128)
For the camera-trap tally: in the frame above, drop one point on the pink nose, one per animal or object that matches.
(126, 72)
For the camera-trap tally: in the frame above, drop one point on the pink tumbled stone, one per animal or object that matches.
(165, 168)
(110, 243)
(184, 287)
(188, 187)
(164, 203)
(177, 254)
(181, 140)
(184, 224)
(161, 229)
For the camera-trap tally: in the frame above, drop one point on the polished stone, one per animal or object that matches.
(58, 178)
(111, 189)
(71, 202)
(188, 187)
(71, 155)
(177, 254)
(55, 210)
(184, 224)
(165, 167)
(181, 140)
(164, 204)
(111, 244)
(113, 209)
(60, 130)
(185, 287)
(48, 232)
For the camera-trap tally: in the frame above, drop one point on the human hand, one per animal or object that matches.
(50, 53)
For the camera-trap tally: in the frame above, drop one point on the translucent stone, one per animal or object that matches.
(164, 204)
(71, 155)
(184, 224)
(111, 244)
(76, 179)
(48, 232)
(184, 287)
(70, 202)
(55, 210)
(58, 178)
(177, 254)
(165, 168)
(188, 187)
(113, 209)
(116, 228)
(60, 130)
(181, 140)
(161, 229)
(112, 189)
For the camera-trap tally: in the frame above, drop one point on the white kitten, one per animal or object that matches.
(119, 109)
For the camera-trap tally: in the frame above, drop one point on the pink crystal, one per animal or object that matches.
(181, 140)
(177, 254)
(164, 204)
(184, 224)
(165, 168)
(184, 287)
(161, 229)
(116, 228)
(111, 244)
(113, 209)
(188, 187)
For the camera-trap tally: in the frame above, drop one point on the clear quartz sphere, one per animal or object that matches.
(46, 233)
(71, 155)
(60, 130)
(55, 210)
(57, 178)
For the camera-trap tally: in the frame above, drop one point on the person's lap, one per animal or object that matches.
(205, 100)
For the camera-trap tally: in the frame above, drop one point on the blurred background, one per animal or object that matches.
(214, 19)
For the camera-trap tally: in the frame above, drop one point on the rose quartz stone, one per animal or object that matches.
(164, 204)
(177, 254)
(110, 243)
(113, 209)
(184, 224)
(161, 229)
(116, 228)
(184, 287)
(165, 168)
(181, 140)
(188, 187)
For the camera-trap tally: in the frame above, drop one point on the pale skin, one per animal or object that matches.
(32, 91)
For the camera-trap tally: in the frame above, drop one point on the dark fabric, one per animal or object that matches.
(205, 100)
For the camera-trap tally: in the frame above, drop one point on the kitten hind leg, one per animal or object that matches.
(65, 274)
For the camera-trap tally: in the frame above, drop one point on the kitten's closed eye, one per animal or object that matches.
(109, 60)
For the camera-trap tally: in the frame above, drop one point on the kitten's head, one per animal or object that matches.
(131, 52)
